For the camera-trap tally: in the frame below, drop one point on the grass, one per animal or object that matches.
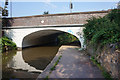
(53, 68)
(77, 48)
(46, 78)
(104, 72)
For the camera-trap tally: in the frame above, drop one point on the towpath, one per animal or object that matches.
(75, 64)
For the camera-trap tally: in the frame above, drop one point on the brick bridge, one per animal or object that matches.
(32, 30)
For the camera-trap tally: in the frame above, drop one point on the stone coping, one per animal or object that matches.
(60, 14)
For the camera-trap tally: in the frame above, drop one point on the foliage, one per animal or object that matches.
(4, 11)
(114, 15)
(53, 68)
(6, 43)
(104, 72)
(46, 12)
(46, 78)
(118, 5)
(103, 30)
(66, 38)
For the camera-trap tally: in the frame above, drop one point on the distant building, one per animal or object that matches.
(118, 5)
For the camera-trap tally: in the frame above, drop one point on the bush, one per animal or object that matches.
(114, 15)
(107, 34)
(6, 42)
(93, 26)
(104, 30)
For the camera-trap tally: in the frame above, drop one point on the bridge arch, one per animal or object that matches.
(42, 37)
(20, 33)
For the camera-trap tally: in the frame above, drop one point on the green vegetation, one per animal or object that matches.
(46, 12)
(104, 30)
(53, 68)
(46, 78)
(6, 44)
(104, 72)
(100, 32)
(4, 10)
(66, 38)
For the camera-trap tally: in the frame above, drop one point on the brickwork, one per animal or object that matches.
(55, 19)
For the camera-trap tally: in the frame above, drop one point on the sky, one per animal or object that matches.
(30, 8)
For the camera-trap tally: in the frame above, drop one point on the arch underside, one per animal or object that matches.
(42, 37)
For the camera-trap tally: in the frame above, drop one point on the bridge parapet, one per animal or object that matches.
(54, 19)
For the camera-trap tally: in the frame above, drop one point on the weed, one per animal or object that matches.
(104, 72)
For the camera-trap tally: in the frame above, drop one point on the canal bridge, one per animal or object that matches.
(32, 30)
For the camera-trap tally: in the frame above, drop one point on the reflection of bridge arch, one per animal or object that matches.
(21, 33)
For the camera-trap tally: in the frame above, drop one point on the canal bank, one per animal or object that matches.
(73, 64)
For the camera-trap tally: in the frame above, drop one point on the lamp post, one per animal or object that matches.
(11, 8)
(71, 6)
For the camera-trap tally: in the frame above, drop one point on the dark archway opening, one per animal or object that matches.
(49, 38)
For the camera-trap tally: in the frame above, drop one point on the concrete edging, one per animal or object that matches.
(46, 71)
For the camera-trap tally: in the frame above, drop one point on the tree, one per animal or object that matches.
(118, 5)
(4, 10)
(46, 12)
(4, 13)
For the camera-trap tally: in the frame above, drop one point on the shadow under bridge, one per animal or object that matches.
(40, 38)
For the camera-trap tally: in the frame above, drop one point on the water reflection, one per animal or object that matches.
(40, 57)
(17, 62)
(7, 57)
(28, 62)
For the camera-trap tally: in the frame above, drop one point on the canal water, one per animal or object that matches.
(28, 63)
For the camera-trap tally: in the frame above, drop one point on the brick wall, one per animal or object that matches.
(54, 19)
